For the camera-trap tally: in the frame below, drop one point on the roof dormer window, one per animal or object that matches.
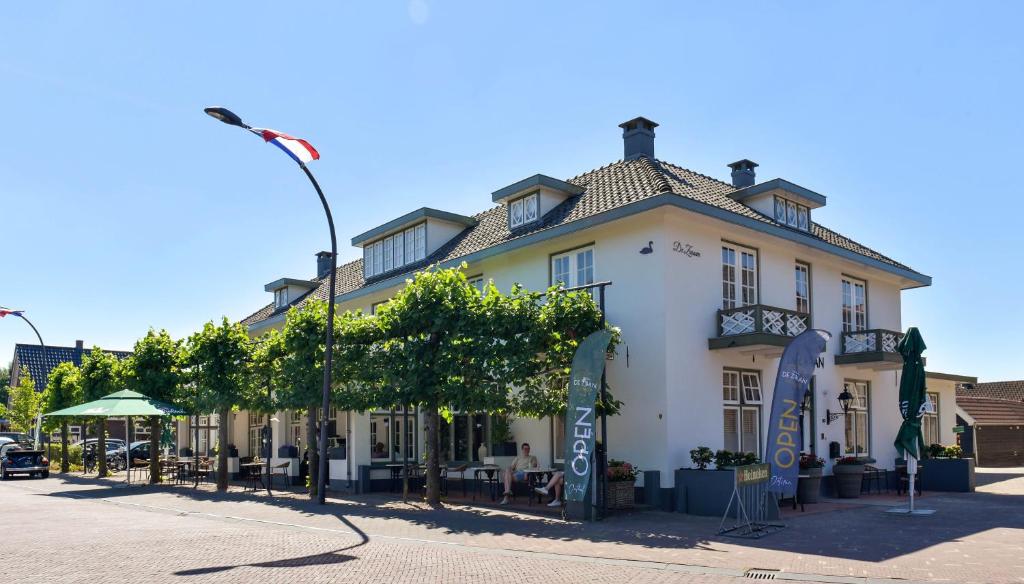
(793, 214)
(524, 210)
(395, 251)
(281, 298)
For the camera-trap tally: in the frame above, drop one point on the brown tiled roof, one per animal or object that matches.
(606, 188)
(992, 412)
(1011, 390)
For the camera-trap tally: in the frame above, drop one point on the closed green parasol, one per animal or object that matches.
(909, 441)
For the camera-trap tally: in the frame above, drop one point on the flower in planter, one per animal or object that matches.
(811, 461)
(953, 452)
(849, 460)
(619, 470)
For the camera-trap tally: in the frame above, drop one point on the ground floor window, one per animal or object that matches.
(387, 440)
(558, 439)
(256, 423)
(930, 420)
(858, 419)
(295, 430)
(741, 417)
(207, 427)
(462, 438)
(808, 427)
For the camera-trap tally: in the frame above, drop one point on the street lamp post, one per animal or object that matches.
(230, 118)
(21, 314)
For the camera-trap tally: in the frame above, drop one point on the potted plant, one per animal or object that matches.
(701, 457)
(619, 493)
(809, 485)
(724, 459)
(946, 469)
(702, 491)
(849, 473)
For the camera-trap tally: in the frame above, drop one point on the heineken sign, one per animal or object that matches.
(584, 385)
(752, 474)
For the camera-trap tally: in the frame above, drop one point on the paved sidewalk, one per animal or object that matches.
(972, 537)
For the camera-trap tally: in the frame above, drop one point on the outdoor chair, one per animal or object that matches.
(878, 476)
(903, 480)
(280, 470)
(139, 466)
(461, 471)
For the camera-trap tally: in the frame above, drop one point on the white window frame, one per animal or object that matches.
(860, 409)
(410, 245)
(792, 214)
(389, 253)
(739, 276)
(524, 210)
(930, 421)
(421, 241)
(395, 251)
(742, 395)
(399, 249)
(280, 297)
(578, 264)
(802, 284)
(854, 308)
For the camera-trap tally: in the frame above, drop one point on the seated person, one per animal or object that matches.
(556, 482)
(378, 451)
(521, 463)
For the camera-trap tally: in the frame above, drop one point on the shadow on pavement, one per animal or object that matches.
(865, 533)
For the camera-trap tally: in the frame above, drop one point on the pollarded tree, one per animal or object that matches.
(100, 376)
(299, 373)
(154, 370)
(218, 360)
(63, 390)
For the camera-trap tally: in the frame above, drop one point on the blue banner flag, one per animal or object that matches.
(584, 385)
(784, 432)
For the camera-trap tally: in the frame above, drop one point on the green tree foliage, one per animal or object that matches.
(154, 370)
(219, 364)
(25, 403)
(63, 390)
(5, 383)
(100, 376)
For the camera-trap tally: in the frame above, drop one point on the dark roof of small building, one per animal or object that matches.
(31, 356)
(1010, 390)
(992, 412)
(609, 187)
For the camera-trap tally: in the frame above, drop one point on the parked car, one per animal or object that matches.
(18, 458)
(140, 450)
(17, 437)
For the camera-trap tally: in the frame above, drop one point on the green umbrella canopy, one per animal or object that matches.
(119, 404)
(912, 394)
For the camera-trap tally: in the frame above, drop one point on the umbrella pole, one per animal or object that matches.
(912, 471)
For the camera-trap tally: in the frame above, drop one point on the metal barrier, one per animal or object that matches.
(754, 505)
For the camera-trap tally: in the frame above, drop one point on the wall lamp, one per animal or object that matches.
(845, 399)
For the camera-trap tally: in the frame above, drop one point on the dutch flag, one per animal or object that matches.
(300, 150)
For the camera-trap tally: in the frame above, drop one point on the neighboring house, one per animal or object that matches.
(711, 280)
(993, 416)
(941, 416)
(39, 363)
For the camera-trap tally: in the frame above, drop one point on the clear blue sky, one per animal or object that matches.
(125, 207)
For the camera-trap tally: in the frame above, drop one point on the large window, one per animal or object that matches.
(395, 251)
(741, 396)
(207, 426)
(930, 420)
(739, 276)
(803, 287)
(295, 430)
(858, 419)
(855, 305)
(256, 422)
(280, 297)
(574, 268)
(387, 441)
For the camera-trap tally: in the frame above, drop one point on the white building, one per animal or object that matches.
(711, 279)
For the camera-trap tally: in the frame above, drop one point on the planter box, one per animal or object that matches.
(703, 492)
(808, 489)
(620, 494)
(947, 474)
(849, 478)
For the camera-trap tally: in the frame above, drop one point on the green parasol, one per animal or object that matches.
(117, 405)
(909, 441)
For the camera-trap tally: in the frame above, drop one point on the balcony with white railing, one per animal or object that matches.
(871, 349)
(758, 326)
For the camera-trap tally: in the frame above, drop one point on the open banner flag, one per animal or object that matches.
(300, 150)
(584, 386)
(784, 432)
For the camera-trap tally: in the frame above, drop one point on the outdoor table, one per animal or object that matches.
(396, 474)
(536, 477)
(491, 470)
(253, 475)
(184, 470)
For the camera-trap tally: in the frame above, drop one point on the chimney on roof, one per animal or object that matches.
(743, 173)
(323, 264)
(638, 138)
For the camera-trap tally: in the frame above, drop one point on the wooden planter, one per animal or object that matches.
(620, 495)
(848, 479)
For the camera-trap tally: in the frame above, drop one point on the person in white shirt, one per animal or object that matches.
(519, 464)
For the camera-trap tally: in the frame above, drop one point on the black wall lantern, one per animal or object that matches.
(845, 399)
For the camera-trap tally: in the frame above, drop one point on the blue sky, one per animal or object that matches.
(125, 207)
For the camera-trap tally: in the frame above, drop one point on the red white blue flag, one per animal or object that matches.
(4, 312)
(300, 150)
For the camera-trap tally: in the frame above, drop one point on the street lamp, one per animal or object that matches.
(21, 314)
(301, 152)
(845, 399)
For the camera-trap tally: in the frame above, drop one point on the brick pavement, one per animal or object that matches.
(973, 538)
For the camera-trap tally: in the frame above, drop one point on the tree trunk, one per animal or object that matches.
(101, 448)
(312, 438)
(63, 446)
(222, 449)
(155, 429)
(431, 426)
